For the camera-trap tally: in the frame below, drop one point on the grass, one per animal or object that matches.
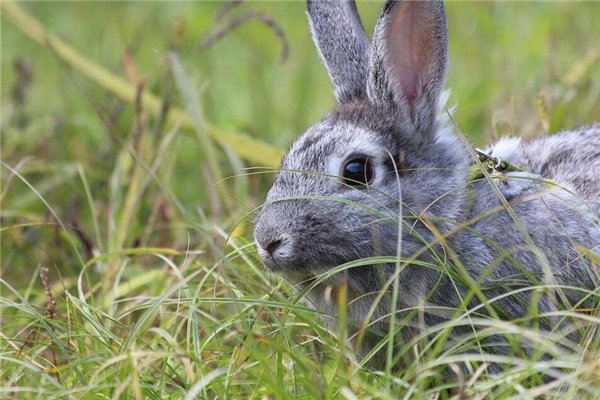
(128, 268)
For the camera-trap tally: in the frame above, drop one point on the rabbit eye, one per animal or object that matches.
(358, 171)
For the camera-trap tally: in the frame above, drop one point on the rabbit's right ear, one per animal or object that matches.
(343, 45)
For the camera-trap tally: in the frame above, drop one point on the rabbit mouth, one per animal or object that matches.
(304, 277)
(301, 277)
(281, 266)
(297, 274)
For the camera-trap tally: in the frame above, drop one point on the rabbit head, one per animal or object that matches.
(382, 152)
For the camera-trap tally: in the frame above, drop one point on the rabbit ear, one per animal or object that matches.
(343, 45)
(409, 59)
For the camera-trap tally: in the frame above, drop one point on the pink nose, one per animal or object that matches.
(271, 247)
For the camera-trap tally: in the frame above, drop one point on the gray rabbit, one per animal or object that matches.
(385, 174)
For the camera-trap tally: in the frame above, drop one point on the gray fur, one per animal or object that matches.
(342, 43)
(421, 162)
(572, 159)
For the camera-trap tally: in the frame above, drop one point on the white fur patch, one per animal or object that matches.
(505, 147)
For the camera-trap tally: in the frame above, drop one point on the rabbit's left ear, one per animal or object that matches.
(409, 59)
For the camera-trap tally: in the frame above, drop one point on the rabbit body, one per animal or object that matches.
(570, 158)
(420, 201)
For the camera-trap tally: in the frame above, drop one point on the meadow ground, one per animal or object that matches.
(128, 268)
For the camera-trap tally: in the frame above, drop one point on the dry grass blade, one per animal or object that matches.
(50, 308)
(236, 22)
(230, 5)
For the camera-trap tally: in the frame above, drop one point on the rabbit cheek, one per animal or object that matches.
(306, 237)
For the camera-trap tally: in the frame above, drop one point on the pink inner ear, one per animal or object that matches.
(411, 47)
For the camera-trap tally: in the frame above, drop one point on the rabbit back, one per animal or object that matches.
(569, 158)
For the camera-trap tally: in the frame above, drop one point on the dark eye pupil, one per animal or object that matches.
(358, 172)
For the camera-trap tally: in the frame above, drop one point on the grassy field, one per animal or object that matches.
(128, 267)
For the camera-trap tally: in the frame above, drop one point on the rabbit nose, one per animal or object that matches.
(272, 243)
(271, 247)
